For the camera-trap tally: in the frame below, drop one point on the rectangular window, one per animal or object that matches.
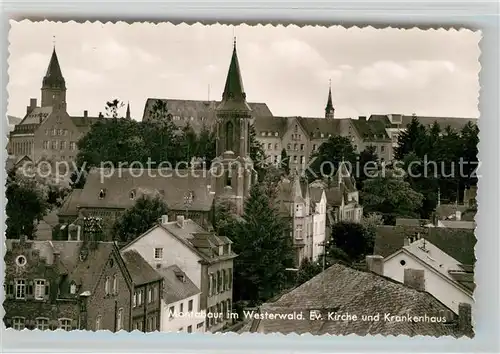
(190, 305)
(199, 325)
(54, 144)
(382, 148)
(115, 284)
(190, 329)
(39, 289)
(42, 324)
(65, 324)
(106, 286)
(171, 312)
(18, 323)
(139, 301)
(134, 300)
(301, 147)
(119, 319)
(72, 145)
(45, 145)
(158, 253)
(98, 323)
(20, 289)
(181, 307)
(63, 145)
(269, 146)
(150, 295)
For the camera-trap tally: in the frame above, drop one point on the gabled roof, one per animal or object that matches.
(37, 116)
(458, 243)
(344, 290)
(370, 130)
(314, 127)
(177, 285)
(457, 224)
(140, 270)
(170, 185)
(71, 203)
(435, 259)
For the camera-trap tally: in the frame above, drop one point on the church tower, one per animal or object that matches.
(54, 85)
(233, 168)
(329, 110)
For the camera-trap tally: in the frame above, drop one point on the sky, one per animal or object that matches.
(372, 71)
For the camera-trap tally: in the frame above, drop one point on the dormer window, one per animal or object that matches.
(102, 194)
(131, 194)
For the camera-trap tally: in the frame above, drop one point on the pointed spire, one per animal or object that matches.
(53, 76)
(128, 110)
(234, 97)
(329, 110)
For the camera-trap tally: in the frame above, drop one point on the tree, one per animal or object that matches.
(159, 111)
(392, 197)
(264, 247)
(353, 239)
(411, 140)
(26, 204)
(140, 218)
(307, 271)
(113, 108)
(329, 155)
(257, 153)
(285, 162)
(367, 166)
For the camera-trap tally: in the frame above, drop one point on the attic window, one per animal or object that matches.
(102, 194)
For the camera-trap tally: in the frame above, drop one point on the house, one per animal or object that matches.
(148, 293)
(66, 284)
(343, 301)
(445, 278)
(305, 208)
(457, 243)
(181, 302)
(206, 259)
(48, 131)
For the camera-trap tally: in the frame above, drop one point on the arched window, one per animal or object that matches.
(102, 194)
(229, 136)
(131, 194)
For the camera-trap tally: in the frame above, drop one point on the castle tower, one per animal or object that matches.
(233, 168)
(53, 85)
(329, 110)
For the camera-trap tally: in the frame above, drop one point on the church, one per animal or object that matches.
(192, 192)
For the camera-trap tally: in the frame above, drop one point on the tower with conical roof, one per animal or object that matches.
(127, 115)
(329, 110)
(53, 84)
(233, 167)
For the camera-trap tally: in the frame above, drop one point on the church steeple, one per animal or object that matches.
(53, 84)
(234, 97)
(128, 110)
(329, 110)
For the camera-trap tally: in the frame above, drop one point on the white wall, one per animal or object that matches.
(174, 324)
(319, 228)
(174, 253)
(440, 288)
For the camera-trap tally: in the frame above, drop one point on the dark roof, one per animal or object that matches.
(35, 117)
(412, 222)
(234, 97)
(140, 270)
(53, 77)
(84, 123)
(175, 289)
(197, 113)
(168, 184)
(454, 122)
(71, 203)
(458, 243)
(465, 278)
(348, 291)
(314, 127)
(13, 120)
(370, 130)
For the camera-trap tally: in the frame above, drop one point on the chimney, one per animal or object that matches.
(100, 115)
(32, 103)
(458, 215)
(415, 278)
(56, 255)
(375, 264)
(85, 114)
(407, 241)
(465, 318)
(164, 219)
(363, 118)
(180, 221)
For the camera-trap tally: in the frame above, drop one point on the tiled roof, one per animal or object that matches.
(175, 289)
(84, 123)
(464, 278)
(412, 222)
(454, 122)
(13, 120)
(457, 224)
(34, 116)
(444, 211)
(343, 290)
(314, 127)
(458, 243)
(140, 270)
(173, 187)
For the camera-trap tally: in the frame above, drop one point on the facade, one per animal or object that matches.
(47, 131)
(148, 293)
(66, 284)
(368, 293)
(443, 275)
(181, 303)
(205, 258)
(305, 207)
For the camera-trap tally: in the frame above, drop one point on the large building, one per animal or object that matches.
(47, 131)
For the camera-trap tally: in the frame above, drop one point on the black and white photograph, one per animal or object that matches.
(241, 179)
